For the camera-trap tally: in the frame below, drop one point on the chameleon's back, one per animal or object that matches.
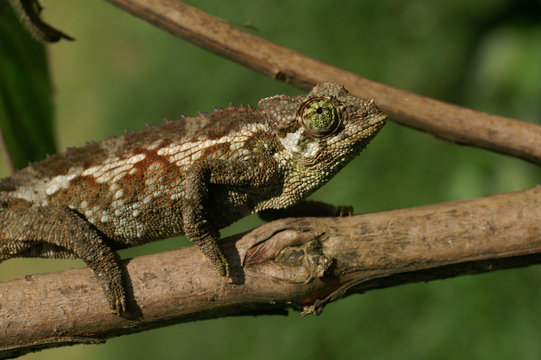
(123, 147)
(116, 183)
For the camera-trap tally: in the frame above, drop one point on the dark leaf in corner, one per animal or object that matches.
(26, 111)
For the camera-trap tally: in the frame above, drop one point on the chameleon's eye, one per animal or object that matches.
(319, 116)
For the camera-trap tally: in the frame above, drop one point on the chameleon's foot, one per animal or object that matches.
(220, 263)
(346, 210)
(223, 269)
(69, 235)
(118, 305)
(307, 208)
(212, 251)
(114, 290)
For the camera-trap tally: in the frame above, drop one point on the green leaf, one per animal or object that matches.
(25, 94)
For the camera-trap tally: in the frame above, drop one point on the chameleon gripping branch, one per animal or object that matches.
(338, 255)
(193, 177)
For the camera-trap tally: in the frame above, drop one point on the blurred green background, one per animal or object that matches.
(123, 73)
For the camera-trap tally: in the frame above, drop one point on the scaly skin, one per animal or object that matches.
(193, 177)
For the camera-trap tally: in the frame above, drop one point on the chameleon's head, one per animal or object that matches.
(323, 130)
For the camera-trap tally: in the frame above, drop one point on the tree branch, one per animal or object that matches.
(450, 122)
(286, 263)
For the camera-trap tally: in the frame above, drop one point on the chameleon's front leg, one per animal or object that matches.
(197, 225)
(25, 229)
(197, 228)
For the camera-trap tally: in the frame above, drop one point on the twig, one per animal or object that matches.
(28, 13)
(341, 255)
(446, 121)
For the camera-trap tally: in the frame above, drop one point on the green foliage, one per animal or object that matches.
(25, 93)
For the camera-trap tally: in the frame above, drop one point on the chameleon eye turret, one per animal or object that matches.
(320, 116)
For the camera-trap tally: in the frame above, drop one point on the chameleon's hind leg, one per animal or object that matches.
(306, 208)
(13, 249)
(34, 249)
(24, 230)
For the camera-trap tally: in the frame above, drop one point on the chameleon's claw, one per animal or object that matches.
(346, 210)
(116, 295)
(209, 247)
(227, 272)
(222, 266)
(119, 307)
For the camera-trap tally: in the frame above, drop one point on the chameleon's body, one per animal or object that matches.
(192, 176)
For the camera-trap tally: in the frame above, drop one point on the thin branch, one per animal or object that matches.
(28, 12)
(446, 121)
(286, 263)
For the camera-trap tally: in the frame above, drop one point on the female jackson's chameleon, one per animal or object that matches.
(192, 177)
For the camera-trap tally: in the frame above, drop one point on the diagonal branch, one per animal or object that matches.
(283, 264)
(446, 121)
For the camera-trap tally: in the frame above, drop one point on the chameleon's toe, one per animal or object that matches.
(227, 273)
(346, 210)
(120, 306)
(115, 293)
(209, 247)
(221, 264)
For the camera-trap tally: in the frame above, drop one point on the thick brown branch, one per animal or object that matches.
(287, 263)
(446, 121)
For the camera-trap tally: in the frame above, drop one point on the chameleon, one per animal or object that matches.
(192, 176)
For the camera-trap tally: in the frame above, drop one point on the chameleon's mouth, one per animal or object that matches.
(348, 143)
(373, 126)
(379, 120)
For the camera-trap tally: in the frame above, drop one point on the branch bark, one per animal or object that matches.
(301, 263)
(450, 122)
